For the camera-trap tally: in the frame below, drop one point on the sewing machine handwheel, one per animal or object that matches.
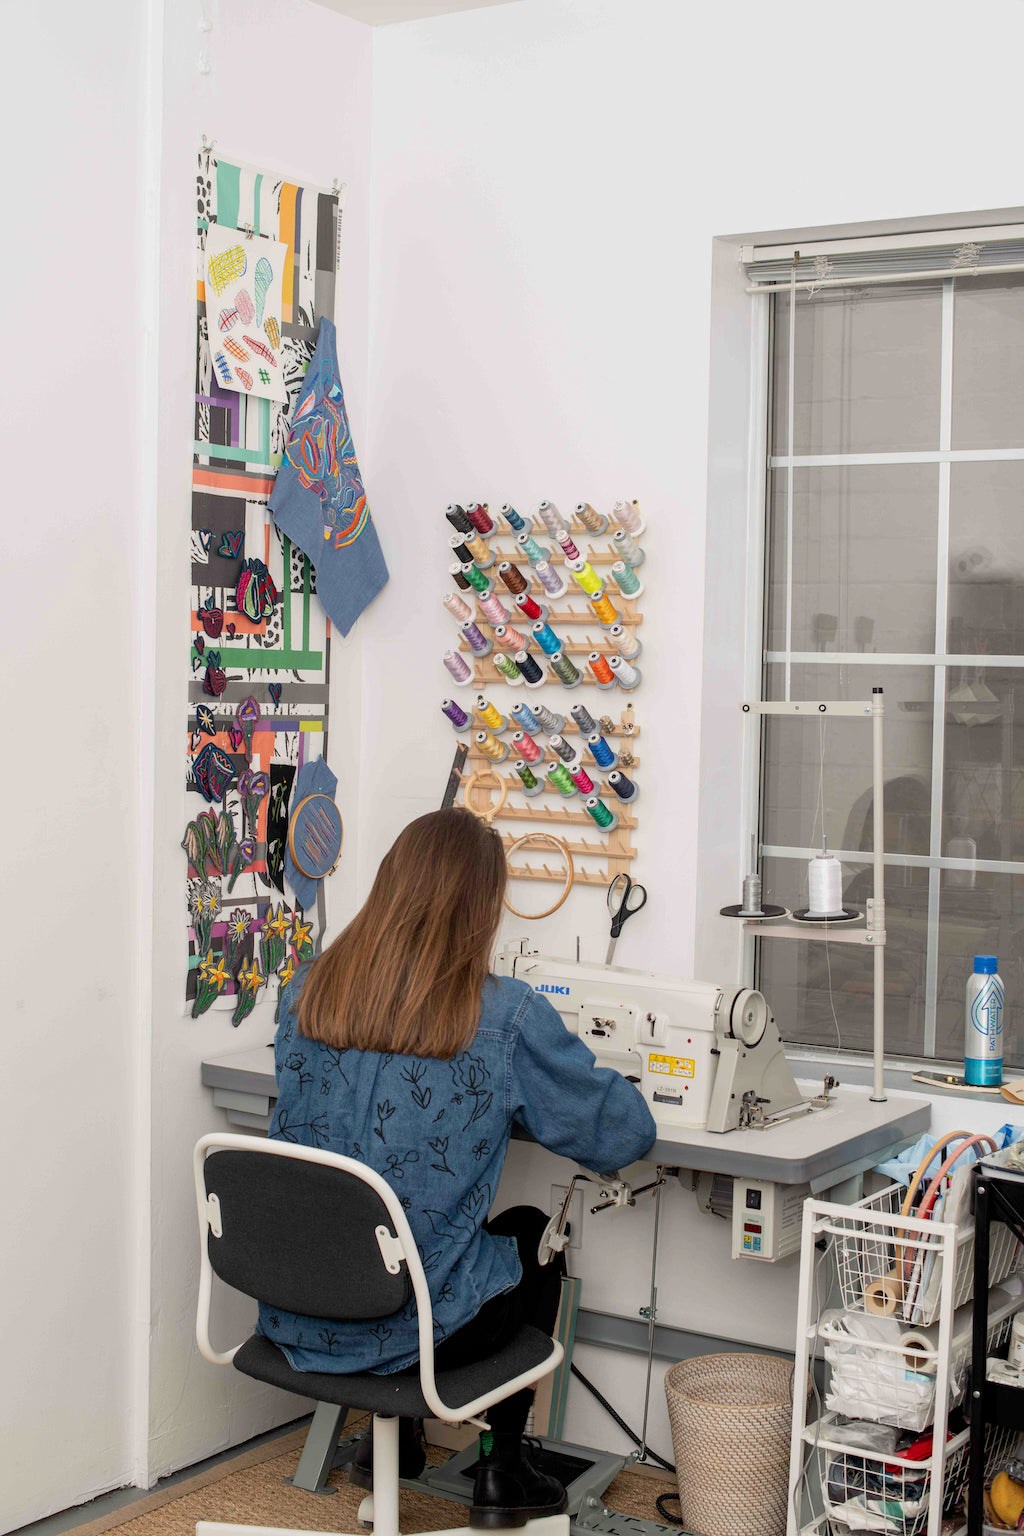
(748, 1017)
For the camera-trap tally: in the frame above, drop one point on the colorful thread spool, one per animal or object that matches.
(596, 522)
(527, 747)
(481, 551)
(529, 608)
(601, 752)
(490, 714)
(585, 722)
(626, 675)
(565, 670)
(604, 677)
(607, 820)
(627, 515)
(627, 548)
(550, 517)
(508, 669)
(626, 579)
(476, 639)
(626, 644)
(458, 717)
(512, 577)
(526, 718)
(513, 639)
(461, 551)
(459, 667)
(561, 746)
(493, 609)
(533, 672)
(531, 549)
(490, 746)
(478, 516)
(584, 575)
(558, 775)
(546, 637)
(563, 538)
(457, 572)
(581, 778)
(531, 785)
(511, 516)
(605, 610)
(477, 580)
(457, 517)
(457, 607)
(549, 579)
(550, 720)
(623, 787)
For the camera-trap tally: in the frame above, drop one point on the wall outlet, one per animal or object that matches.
(558, 1194)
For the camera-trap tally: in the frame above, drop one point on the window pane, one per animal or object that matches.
(984, 919)
(983, 770)
(867, 370)
(804, 980)
(986, 557)
(864, 552)
(793, 764)
(988, 362)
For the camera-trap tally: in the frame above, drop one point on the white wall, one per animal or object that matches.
(314, 124)
(71, 622)
(548, 179)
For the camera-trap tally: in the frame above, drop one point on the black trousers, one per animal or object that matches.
(533, 1302)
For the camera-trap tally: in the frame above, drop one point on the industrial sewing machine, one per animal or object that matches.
(705, 1057)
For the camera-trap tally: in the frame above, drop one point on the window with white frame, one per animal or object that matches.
(895, 558)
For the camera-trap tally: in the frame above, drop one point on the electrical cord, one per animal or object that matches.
(619, 1420)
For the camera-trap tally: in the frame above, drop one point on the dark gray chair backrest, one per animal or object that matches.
(300, 1236)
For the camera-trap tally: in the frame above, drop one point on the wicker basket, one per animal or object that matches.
(731, 1418)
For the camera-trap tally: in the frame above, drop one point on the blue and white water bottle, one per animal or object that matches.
(983, 1025)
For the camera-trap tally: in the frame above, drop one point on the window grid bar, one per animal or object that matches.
(931, 986)
(896, 659)
(791, 445)
(917, 456)
(898, 860)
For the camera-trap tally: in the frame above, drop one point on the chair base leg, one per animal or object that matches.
(317, 1457)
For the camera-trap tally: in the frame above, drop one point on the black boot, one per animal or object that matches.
(508, 1489)
(412, 1455)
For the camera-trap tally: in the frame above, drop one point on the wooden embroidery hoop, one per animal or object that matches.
(570, 869)
(319, 872)
(477, 780)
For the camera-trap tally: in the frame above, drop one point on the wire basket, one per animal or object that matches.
(894, 1267)
(863, 1489)
(893, 1383)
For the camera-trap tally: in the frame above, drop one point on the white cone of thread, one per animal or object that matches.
(626, 675)
(551, 518)
(627, 515)
(626, 644)
(824, 886)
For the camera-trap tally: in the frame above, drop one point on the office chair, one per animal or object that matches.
(322, 1235)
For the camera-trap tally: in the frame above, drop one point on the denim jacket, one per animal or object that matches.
(438, 1132)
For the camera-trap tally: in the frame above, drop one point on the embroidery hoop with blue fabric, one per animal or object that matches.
(315, 836)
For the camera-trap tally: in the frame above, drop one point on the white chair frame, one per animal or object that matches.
(379, 1510)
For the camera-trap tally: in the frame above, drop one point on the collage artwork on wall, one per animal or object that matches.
(259, 664)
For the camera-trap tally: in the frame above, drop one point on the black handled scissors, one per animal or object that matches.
(624, 898)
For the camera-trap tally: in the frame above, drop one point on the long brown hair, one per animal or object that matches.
(407, 973)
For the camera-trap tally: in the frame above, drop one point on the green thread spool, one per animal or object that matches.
(558, 775)
(606, 819)
(567, 674)
(507, 667)
(476, 578)
(531, 784)
(626, 579)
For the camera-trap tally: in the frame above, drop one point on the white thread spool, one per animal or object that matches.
(628, 645)
(824, 886)
(551, 517)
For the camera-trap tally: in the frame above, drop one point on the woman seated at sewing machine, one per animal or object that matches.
(398, 1047)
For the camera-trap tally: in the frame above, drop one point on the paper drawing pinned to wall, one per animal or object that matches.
(273, 331)
(253, 269)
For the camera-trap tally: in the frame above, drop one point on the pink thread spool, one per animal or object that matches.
(526, 747)
(581, 778)
(627, 515)
(510, 638)
(458, 666)
(457, 607)
(493, 609)
(563, 538)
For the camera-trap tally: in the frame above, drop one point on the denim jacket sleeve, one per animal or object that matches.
(567, 1102)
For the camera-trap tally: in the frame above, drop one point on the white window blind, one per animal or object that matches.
(893, 259)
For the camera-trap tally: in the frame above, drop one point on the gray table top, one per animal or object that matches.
(822, 1146)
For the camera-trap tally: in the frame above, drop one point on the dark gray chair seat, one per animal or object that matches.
(398, 1393)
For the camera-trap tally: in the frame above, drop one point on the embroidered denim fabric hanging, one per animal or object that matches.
(318, 500)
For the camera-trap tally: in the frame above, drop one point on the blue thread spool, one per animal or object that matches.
(533, 672)
(526, 718)
(547, 638)
(601, 752)
(513, 519)
(585, 722)
(626, 790)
